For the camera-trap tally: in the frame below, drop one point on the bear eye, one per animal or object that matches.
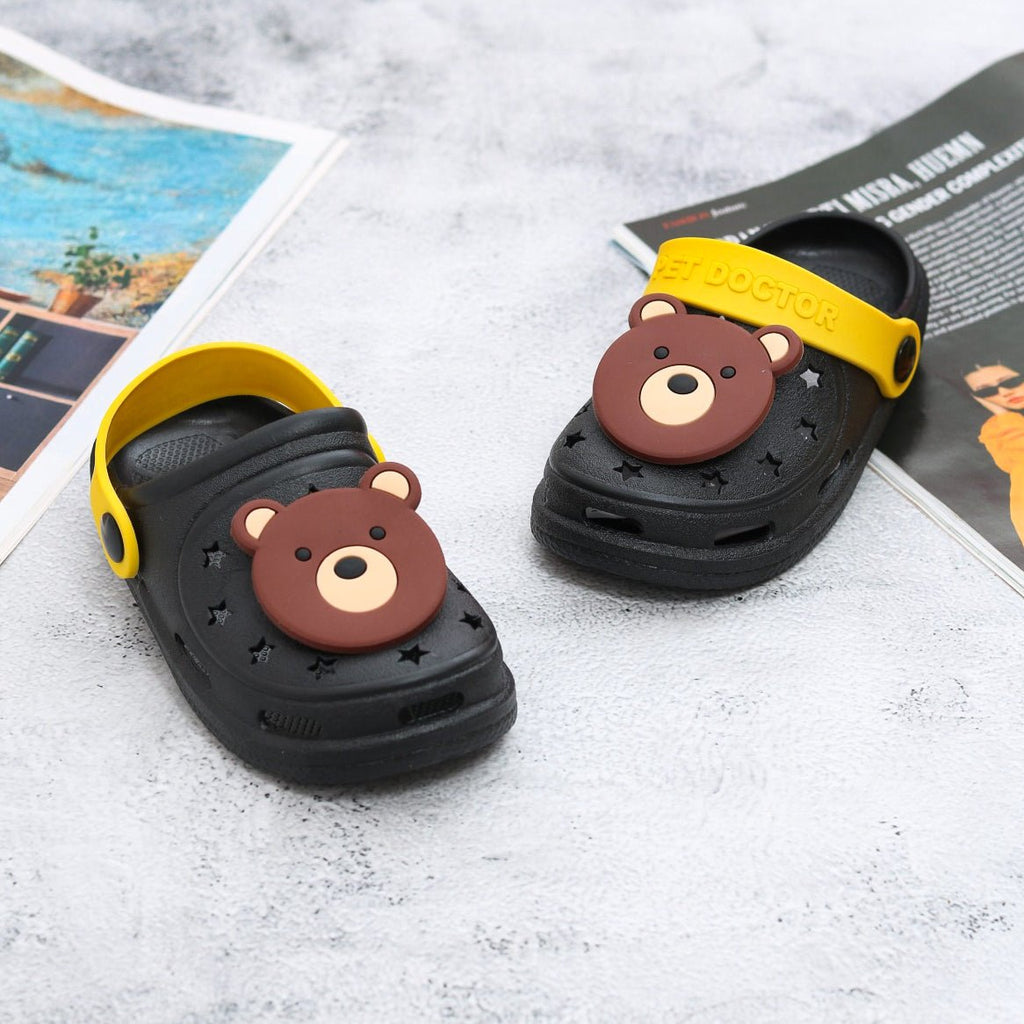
(728, 371)
(378, 533)
(661, 352)
(303, 554)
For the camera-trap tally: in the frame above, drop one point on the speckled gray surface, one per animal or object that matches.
(800, 804)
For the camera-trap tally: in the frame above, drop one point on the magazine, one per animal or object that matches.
(950, 180)
(126, 215)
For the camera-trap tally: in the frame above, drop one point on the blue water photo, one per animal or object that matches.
(150, 193)
(102, 214)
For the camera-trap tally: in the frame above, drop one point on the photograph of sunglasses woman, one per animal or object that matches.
(1001, 391)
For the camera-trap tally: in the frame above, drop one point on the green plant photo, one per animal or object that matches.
(95, 271)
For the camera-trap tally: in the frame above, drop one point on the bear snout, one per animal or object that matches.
(356, 579)
(676, 395)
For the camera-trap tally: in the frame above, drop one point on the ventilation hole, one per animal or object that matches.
(219, 614)
(299, 726)
(627, 470)
(810, 377)
(610, 521)
(168, 455)
(807, 428)
(747, 536)
(836, 475)
(443, 705)
(322, 667)
(261, 652)
(415, 654)
(214, 557)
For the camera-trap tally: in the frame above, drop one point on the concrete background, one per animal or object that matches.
(798, 804)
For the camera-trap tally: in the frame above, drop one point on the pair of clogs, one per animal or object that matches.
(305, 608)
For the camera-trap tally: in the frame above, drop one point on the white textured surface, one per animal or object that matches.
(799, 805)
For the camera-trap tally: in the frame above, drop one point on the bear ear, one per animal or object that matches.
(394, 478)
(656, 304)
(248, 523)
(783, 346)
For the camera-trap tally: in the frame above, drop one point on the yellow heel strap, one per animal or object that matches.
(753, 286)
(179, 382)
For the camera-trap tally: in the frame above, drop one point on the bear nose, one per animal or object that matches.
(349, 568)
(682, 383)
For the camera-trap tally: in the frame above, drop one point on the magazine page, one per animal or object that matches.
(950, 179)
(125, 216)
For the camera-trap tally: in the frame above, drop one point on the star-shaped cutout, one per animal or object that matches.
(219, 614)
(770, 462)
(586, 408)
(713, 479)
(807, 429)
(459, 586)
(476, 621)
(413, 654)
(214, 556)
(627, 470)
(261, 652)
(571, 440)
(313, 489)
(322, 667)
(810, 378)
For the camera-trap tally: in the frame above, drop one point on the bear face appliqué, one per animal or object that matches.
(679, 388)
(346, 570)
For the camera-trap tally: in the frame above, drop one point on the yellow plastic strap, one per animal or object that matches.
(753, 286)
(179, 382)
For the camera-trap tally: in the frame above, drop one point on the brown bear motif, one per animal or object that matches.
(679, 388)
(346, 570)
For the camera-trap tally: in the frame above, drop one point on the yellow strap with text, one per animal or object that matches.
(753, 286)
(179, 382)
